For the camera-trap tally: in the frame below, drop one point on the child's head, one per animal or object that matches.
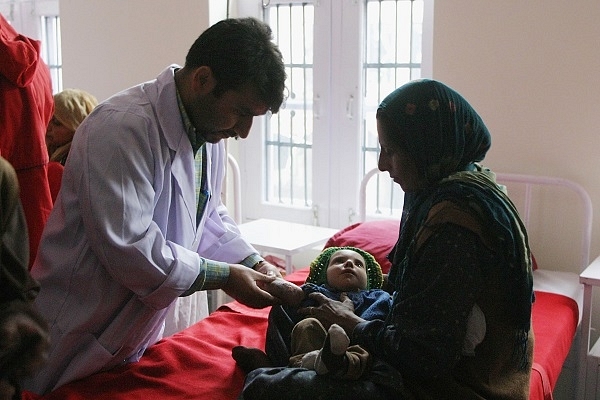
(346, 269)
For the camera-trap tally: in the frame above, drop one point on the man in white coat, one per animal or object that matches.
(139, 220)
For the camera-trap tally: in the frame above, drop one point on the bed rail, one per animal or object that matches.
(529, 182)
(234, 169)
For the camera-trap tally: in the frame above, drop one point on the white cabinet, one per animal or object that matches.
(589, 379)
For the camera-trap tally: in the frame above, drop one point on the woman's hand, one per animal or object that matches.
(333, 312)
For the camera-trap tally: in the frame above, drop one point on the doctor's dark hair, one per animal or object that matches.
(240, 51)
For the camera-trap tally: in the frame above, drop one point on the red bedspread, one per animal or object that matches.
(554, 324)
(197, 362)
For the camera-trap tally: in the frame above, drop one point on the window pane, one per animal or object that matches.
(393, 57)
(417, 32)
(290, 132)
(372, 32)
(51, 49)
(402, 38)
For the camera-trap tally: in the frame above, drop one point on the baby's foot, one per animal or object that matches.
(332, 357)
(309, 361)
(249, 358)
(339, 341)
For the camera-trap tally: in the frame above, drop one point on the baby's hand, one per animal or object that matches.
(287, 292)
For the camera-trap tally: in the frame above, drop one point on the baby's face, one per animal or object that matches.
(347, 271)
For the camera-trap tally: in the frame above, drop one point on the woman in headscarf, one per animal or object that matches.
(460, 325)
(71, 106)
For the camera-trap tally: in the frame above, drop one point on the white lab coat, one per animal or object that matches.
(122, 243)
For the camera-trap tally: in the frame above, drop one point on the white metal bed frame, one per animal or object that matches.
(234, 170)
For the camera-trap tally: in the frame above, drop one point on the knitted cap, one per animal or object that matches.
(318, 268)
(71, 106)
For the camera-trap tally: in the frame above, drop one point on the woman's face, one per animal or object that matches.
(347, 271)
(397, 162)
(57, 134)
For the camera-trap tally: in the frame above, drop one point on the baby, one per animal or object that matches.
(338, 273)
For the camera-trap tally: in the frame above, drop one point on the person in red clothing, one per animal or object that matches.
(26, 107)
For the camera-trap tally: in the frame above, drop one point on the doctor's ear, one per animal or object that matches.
(203, 80)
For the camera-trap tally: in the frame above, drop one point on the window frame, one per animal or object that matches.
(337, 155)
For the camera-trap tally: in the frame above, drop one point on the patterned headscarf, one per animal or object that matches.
(318, 268)
(446, 138)
(440, 130)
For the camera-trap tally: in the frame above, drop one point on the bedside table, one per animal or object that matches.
(284, 238)
(589, 362)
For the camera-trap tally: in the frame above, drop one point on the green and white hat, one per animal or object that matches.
(318, 268)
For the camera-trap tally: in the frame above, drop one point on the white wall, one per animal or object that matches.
(531, 69)
(109, 45)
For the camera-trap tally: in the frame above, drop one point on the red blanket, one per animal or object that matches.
(197, 362)
(554, 324)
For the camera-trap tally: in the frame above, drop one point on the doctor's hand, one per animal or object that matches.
(268, 269)
(242, 286)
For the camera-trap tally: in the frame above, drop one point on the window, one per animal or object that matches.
(342, 58)
(51, 49)
(392, 56)
(288, 136)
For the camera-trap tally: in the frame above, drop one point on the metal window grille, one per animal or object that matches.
(392, 51)
(392, 48)
(51, 49)
(288, 144)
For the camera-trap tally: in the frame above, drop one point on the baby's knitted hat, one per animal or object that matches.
(318, 268)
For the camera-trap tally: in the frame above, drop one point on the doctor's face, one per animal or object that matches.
(228, 115)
